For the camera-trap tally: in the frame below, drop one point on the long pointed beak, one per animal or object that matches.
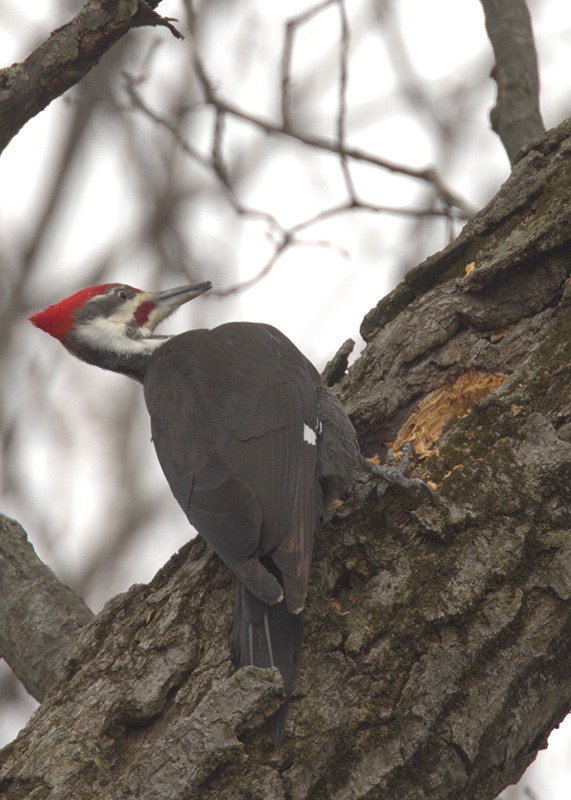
(173, 298)
(157, 306)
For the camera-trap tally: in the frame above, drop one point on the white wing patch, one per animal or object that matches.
(309, 435)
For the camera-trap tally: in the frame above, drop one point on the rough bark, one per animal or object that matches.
(438, 647)
(40, 615)
(62, 60)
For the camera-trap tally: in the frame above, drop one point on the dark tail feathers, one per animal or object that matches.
(266, 636)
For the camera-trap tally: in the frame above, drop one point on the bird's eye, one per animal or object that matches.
(122, 294)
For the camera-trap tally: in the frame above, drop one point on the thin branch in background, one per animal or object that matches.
(287, 242)
(221, 105)
(290, 238)
(356, 205)
(411, 88)
(427, 175)
(284, 238)
(450, 226)
(516, 117)
(220, 171)
(240, 286)
(530, 793)
(344, 43)
(215, 164)
(217, 150)
(291, 28)
(137, 102)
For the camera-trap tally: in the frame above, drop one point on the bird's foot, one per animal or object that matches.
(394, 473)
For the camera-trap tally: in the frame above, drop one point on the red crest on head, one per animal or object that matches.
(58, 319)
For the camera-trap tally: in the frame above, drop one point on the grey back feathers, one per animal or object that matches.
(251, 445)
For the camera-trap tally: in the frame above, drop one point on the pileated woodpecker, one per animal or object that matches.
(253, 446)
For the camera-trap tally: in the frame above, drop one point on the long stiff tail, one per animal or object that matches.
(263, 635)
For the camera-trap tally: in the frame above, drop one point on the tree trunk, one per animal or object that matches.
(438, 637)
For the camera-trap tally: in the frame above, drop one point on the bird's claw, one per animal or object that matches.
(394, 473)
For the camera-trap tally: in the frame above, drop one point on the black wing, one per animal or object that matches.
(233, 414)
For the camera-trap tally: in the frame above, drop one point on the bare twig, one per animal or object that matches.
(217, 151)
(342, 101)
(213, 98)
(131, 84)
(284, 238)
(288, 241)
(291, 28)
(214, 161)
(428, 175)
(358, 205)
(280, 248)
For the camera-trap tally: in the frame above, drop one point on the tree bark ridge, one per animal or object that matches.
(39, 616)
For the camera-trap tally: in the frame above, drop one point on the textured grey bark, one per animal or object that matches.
(65, 57)
(516, 117)
(438, 645)
(39, 615)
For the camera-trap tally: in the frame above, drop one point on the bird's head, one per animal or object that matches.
(112, 324)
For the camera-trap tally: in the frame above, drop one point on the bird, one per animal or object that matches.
(253, 446)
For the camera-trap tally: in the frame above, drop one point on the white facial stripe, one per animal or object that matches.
(309, 435)
(125, 311)
(105, 334)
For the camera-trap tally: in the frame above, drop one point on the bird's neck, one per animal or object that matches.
(128, 355)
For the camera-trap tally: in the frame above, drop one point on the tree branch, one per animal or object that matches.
(39, 615)
(284, 238)
(66, 56)
(516, 117)
(224, 106)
